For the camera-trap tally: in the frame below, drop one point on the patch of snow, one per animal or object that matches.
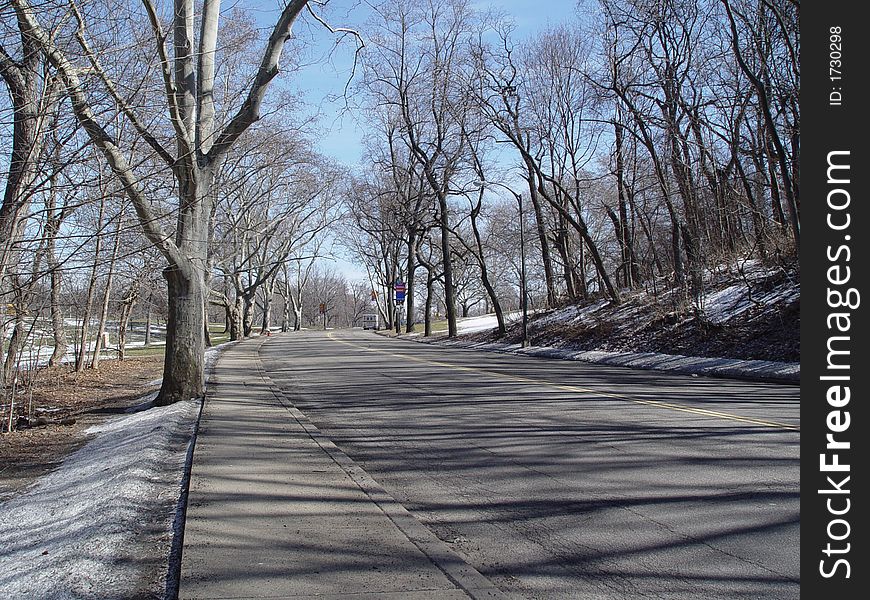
(676, 363)
(730, 302)
(572, 313)
(73, 533)
(141, 344)
(484, 322)
(70, 534)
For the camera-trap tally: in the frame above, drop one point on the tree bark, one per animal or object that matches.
(52, 227)
(124, 319)
(412, 276)
(183, 367)
(547, 260)
(268, 293)
(427, 315)
(624, 237)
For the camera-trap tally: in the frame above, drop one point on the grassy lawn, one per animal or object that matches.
(149, 351)
(437, 326)
(217, 334)
(216, 331)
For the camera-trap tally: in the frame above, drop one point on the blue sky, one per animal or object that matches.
(328, 71)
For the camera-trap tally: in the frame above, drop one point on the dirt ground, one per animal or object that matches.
(88, 397)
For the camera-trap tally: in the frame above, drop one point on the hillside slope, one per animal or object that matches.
(748, 312)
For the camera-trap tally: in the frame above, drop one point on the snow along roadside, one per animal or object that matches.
(754, 370)
(101, 525)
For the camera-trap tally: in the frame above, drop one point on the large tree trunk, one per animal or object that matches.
(285, 316)
(22, 82)
(235, 311)
(248, 314)
(412, 272)
(183, 367)
(269, 293)
(296, 306)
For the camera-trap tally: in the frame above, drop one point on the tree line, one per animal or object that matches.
(149, 174)
(647, 141)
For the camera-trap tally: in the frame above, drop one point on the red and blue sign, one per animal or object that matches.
(400, 289)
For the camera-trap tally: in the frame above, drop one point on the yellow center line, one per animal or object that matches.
(576, 389)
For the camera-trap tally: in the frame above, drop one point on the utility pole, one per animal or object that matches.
(524, 300)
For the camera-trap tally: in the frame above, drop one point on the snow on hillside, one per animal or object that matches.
(101, 525)
(726, 297)
(726, 303)
(484, 322)
(74, 534)
(747, 323)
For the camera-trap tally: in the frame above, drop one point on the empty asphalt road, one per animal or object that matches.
(560, 479)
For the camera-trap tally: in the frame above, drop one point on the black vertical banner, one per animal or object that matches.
(834, 262)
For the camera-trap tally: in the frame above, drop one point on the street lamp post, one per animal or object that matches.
(524, 301)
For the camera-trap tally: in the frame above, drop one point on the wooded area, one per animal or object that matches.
(651, 140)
(150, 181)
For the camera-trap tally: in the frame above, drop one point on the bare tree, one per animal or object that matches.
(418, 66)
(188, 74)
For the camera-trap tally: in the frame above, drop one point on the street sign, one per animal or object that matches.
(400, 289)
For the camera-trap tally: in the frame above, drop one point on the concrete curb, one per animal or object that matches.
(460, 573)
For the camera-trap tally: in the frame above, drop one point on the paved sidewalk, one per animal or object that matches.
(275, 510)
